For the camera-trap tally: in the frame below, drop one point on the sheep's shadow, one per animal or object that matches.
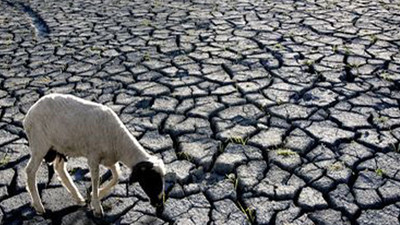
(77, 215)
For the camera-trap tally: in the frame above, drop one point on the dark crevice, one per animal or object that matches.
(41, 27)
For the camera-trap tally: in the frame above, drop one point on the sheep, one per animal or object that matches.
(62, 125)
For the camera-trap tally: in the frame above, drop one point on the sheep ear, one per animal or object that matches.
(138, 170)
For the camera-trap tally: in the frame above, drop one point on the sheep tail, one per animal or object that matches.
(49, 158)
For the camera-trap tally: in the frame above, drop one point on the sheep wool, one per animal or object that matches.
(75, 127)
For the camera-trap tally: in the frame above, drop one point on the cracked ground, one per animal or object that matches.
(265, 112)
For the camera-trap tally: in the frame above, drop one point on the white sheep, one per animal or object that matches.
(60, 125)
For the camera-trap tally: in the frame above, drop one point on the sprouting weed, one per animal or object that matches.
(309, 62)
(146, 22)
(396, 148)
(380, 172)
(4, 160)
(279, 101)
(335, 48)
(45, 79)
(185, 156)
(221, 147)
(336, 166)
(158, 3)
(239, 140)
(146, 56)
(73, 171)
(164, 199)
(381, 119)
(373, 38)
(278, 46)
(233, 179)
(9, 41)
(107, 206)
(97, 48)
(352, 65)
(249, 212)
(346, 50)
(285, 152)
(386, 76)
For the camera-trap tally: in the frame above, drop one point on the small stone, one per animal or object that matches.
(329, 216)
(343, 199)
(56, 199)
(226, 212)
(265, 209)
(224, 189)
(386, 216)
(6, 177)
(6, 137)
(229, 159)
(16, 202)
(367, 198)
(179, 169)
(79, 217)
(311, 199)
(268, 138)
(155, 142)
(285, 158)
(327, 132)
(390, 191)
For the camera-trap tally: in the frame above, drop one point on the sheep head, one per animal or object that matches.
(150, 175)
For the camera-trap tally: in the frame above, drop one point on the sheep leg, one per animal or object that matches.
(115, 177)
(31, 170)
(66, 180)
(95, 202)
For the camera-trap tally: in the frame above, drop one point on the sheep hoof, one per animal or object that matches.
(40, 210)
(81, 202)
(98, 214)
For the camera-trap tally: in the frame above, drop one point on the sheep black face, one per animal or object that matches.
(151, 179)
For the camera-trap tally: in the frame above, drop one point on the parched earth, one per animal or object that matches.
(264, 112)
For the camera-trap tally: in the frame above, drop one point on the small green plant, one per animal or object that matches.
(45, 79)
(146, 22)
(9, 41)
(4, 160)
(158, 3)
(233, 179)
(97, 48)
(73, 171)
(309, 62)
(336, 166)
(221, 147)
(373, 38)
(107, 206)
(335, 48)
(278, 46)
(214, 8)
(386, 76)
(239, 140)
(146, 56)
(347, 50)
(249, 212)
(164, 199)
(381, 119)
(352, 65)
(184, 155)
(279, 101)
(396, 148)
(285, 152)
(380, 172)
